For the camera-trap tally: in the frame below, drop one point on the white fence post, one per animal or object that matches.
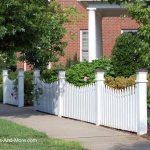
(20, 88)
(99, 87)
(141, 83)
(61, 91)
(5, 76)
(36, 75)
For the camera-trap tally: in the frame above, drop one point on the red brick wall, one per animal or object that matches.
(74, 29)
(111, 28)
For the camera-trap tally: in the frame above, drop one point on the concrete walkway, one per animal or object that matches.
(90, 136)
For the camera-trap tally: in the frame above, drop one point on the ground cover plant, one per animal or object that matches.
(10, 130)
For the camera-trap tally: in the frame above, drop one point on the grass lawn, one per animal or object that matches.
(10, 130)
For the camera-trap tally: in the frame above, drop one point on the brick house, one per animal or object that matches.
(97, 30)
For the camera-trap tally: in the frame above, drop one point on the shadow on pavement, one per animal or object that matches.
(25, 112)
(136, 146)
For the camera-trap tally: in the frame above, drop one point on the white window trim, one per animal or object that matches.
(128, 30)
(81, 31)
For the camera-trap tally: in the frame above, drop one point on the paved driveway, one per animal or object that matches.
(91, 136)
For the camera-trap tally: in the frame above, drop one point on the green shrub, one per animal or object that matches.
(1, 79)
(12, 75)
(49, 75)
(77, 73)
(105, 64)
(73, 61)
(28, 88)
(148, 98)
(120, 82)
(125, 55)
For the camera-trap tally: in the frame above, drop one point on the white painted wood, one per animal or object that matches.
(97, 103)
(20, 88)
(118, 108)
(82, 104)
(48, 100)
(141, 83)
(10, 95)
(92, 33)
(5, 77)
(99, 86)
(61, 92)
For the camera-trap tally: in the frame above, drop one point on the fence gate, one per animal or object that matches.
(45, 95)
(13, 90)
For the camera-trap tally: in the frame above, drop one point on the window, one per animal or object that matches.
(84, 45)
(128, 31)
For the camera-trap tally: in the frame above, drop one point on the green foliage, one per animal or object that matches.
(77, 73)
(128, 1)
(140, 12)
(34, 28)
(73, 61)
(28, 88)
(148, 98)
(12, 75)
(120, 82)
(1, 79)
(84, 70)
(148, 117)
(126, 58)
(104, 64)
(49, 75)
(12, 130)
(7, 61)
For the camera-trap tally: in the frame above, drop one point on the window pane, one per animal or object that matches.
(84, 44)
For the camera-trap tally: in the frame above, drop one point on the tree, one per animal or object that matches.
(34, 28)
(139, 10)
(141, 13)
(7, 61)
(125, 57)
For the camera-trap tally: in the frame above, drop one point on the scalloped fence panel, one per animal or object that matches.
(80, 102)
(13, 90)
(47, 100)
(119, 108)
(96, 103)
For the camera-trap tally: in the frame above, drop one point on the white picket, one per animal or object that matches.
(13, 90)
(47, 101)
(81, 102)
(119, 108)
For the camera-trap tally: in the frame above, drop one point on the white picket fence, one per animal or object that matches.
(80, 102)
(12, 95)
(119, 108)
(48, 100)
(97, 103)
